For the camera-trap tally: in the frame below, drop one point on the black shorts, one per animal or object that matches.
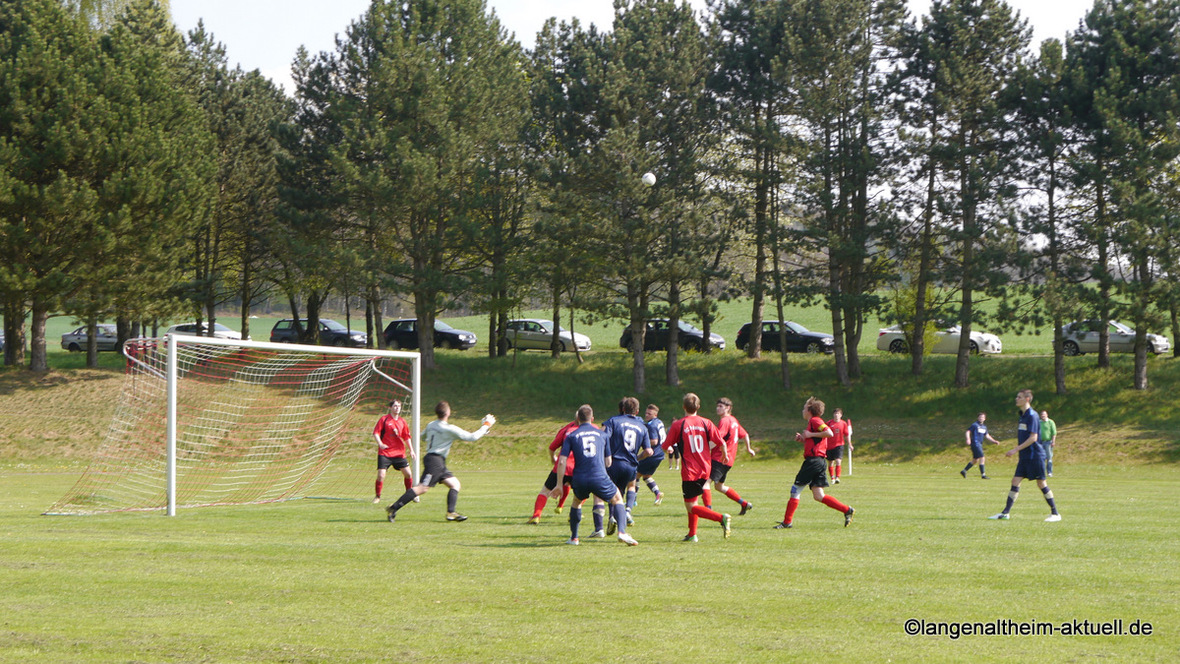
(834, 453)
(676, 451)
(384, 462)
(813, 472)
(551, 481)
(692, 488)
(1030, 469)
(434, 470)
(718, 472)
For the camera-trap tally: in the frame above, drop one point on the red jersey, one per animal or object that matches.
(840, 429)
(556, 445)
(815, 447)
(697, 435)
(395, 434)
(731, 432)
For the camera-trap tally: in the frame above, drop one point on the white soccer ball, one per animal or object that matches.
(649, 179)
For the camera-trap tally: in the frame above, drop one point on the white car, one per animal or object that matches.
(219, 331)
(536, 333)
(946, 340)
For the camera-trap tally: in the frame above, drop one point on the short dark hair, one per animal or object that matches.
(653, 407)
(1027, 394)
(724, 401)
(692, 403)
(585, 413)
(442, 409)
(630, 406)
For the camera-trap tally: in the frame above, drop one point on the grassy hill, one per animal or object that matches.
(898, 417)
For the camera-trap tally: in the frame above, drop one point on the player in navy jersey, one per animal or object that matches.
(629, 444)
(647, 467)
(1031, 464)
(976, 434)
(592, 456)
(813, 472)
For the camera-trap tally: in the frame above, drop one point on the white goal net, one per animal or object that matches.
(205, 421)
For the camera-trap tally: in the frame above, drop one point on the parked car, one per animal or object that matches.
(1082, 337)
(219, 331)
(1, 341)
(799, 338)
(656, 337)
(403, 333)
(946, 340)
(537, 333)
(331, 334)
(75, 342)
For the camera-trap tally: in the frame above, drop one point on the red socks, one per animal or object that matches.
(702, 511)
(792, 505)
(835, 504)
(408, 482)
(565, 493)
(733, 495)
(378, 485)
(708, 498)
(539, 506)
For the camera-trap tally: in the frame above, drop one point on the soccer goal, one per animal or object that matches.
(203, 421)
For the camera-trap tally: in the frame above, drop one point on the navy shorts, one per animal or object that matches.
(692, 488)
(601, 487)
(551, 481)
(434, 470)
(1030, 469)
(976, 451)
(384, 462)
(621, 474)
(835, 453)
(649, 465)
(718, 472)
(813, 472)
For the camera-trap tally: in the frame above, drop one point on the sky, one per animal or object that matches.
(265, 34)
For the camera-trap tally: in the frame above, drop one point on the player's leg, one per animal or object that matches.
(632, 498)
(599, 517)
(543, 497)
(575, 520)
(982, 461)
(618, 508)
(428, 479)
(565, 493)
(836, 467)
(792, 505)
(817, 492)
(380, 483)
(1048, 459)
(1048, 494)
(1013, 494)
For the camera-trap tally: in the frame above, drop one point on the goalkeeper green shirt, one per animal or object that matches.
(439, 435)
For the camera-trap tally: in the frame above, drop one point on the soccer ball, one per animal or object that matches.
(649, 179)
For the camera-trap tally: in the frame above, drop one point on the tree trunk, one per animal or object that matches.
(92, 342)
(555, 342)
(1103, 276)
(637, 306)
(38, 359)
(671, 364)
(1058, 355)
(837, 319)
(424, 312)
(925, 260)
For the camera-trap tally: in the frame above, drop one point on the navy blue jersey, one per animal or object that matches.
(1029, 424)
(657, 434)
(590, 449)
(627, 435)
(978, 431)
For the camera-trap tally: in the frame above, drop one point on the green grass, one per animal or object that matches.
(317, 581)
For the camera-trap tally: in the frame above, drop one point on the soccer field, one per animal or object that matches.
(330, 581)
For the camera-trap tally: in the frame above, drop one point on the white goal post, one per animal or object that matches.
(238, 422)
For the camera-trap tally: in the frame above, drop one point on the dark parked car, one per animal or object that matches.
(331, 334)
(403, 333)
(656, 337)
(799, 338)
(75, 342)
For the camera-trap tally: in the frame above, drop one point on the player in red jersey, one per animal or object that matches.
(549, 489)
(731, 432)
(696, 436)
(393, 440)
(813, 473)
(841, 434)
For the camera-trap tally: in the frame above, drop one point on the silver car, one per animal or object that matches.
(75, 342)
(536, 333)
(1082, 337)
(219, 331)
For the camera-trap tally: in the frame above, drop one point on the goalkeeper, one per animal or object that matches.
(439, 435)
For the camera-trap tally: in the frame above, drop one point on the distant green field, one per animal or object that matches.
(331, 581)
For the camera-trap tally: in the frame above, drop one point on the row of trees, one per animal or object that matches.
(806, 151)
